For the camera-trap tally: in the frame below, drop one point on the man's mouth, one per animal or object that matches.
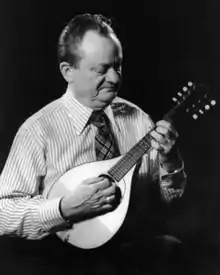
(109, 89)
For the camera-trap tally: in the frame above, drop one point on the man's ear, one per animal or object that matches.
(67, 71)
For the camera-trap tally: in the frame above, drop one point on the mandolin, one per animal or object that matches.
(193, 100)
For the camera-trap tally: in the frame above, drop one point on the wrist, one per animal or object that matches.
(171, 161)
(62, 211)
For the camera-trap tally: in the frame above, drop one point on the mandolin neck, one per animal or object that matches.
(192, 100)
(121, 168)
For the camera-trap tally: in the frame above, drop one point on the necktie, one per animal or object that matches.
(105, 145)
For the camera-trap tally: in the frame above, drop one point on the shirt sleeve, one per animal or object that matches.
(24, 211)
(172, 185)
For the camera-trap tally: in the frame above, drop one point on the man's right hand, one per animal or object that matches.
(93, 197)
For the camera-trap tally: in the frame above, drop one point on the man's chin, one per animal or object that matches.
(102, 104)
(103, 100)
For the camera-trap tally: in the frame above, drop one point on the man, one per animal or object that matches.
(62, 135)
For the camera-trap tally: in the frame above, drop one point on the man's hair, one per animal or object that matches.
(73, 34)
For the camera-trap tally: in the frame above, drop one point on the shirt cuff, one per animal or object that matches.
(50, 215)
(172, 184)
(164, 173)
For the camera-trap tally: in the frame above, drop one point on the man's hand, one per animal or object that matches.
(91, 198)
(164, 141)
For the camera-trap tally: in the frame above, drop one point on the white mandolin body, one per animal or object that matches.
(97, 231)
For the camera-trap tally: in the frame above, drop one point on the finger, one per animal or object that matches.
(156, 145)
(110, 199)
(165, 124)
(162, 130)
(162, 124)
(108, 191)
(157, 136)
(103, 184)
(105, 208)
(93, 180)
(100, 201)
(166, 136)
(161, 143)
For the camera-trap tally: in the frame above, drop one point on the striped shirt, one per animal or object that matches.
(56, 139)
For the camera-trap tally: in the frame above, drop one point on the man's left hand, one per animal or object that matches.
(164, 140)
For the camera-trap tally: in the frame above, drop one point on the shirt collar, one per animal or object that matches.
(80, 114)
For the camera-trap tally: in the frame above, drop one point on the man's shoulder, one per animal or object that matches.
(44, 114)
(125, 107)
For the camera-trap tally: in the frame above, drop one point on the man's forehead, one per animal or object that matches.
(95, 44)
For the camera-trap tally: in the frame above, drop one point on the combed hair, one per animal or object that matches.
(73, 33)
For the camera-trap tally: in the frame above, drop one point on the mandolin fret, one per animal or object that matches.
(120, 169)
(95, 232)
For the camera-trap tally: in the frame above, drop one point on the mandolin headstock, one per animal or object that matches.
(193, 99)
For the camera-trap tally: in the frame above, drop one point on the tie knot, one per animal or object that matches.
(98, 119)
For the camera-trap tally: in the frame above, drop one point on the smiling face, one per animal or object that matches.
(95, 81)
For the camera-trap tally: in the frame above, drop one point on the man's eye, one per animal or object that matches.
(102, 71)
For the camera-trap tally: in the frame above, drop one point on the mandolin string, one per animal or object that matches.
(134, 153)
(131, 157)
(119, 170)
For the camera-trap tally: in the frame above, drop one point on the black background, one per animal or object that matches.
(166, 44)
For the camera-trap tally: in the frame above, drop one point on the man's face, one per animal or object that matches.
(97, 78)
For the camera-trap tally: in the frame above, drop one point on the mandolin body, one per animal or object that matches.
(97, 231)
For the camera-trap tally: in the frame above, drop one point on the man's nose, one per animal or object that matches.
(113, 76)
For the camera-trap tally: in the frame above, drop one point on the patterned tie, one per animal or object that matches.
(105, 145)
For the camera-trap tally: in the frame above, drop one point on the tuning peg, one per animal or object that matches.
(201, 112)
(174, 99)
(195, 116)
(190, 84)
(207, 107)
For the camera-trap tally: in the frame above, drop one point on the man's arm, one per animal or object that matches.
(172, 184)
(168, 161)
(23, 209)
